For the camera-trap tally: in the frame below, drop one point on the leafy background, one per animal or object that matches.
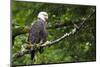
(77, 48)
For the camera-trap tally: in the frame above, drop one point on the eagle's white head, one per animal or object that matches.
(43, 15)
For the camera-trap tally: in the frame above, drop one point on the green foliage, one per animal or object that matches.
(80, 47)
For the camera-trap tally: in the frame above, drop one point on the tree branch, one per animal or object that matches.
(26, 51)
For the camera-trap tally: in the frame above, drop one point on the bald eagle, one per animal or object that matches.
(38, 32)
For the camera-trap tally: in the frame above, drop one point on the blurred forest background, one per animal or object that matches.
(76, 48)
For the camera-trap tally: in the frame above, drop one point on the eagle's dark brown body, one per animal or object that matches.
(37, 34)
